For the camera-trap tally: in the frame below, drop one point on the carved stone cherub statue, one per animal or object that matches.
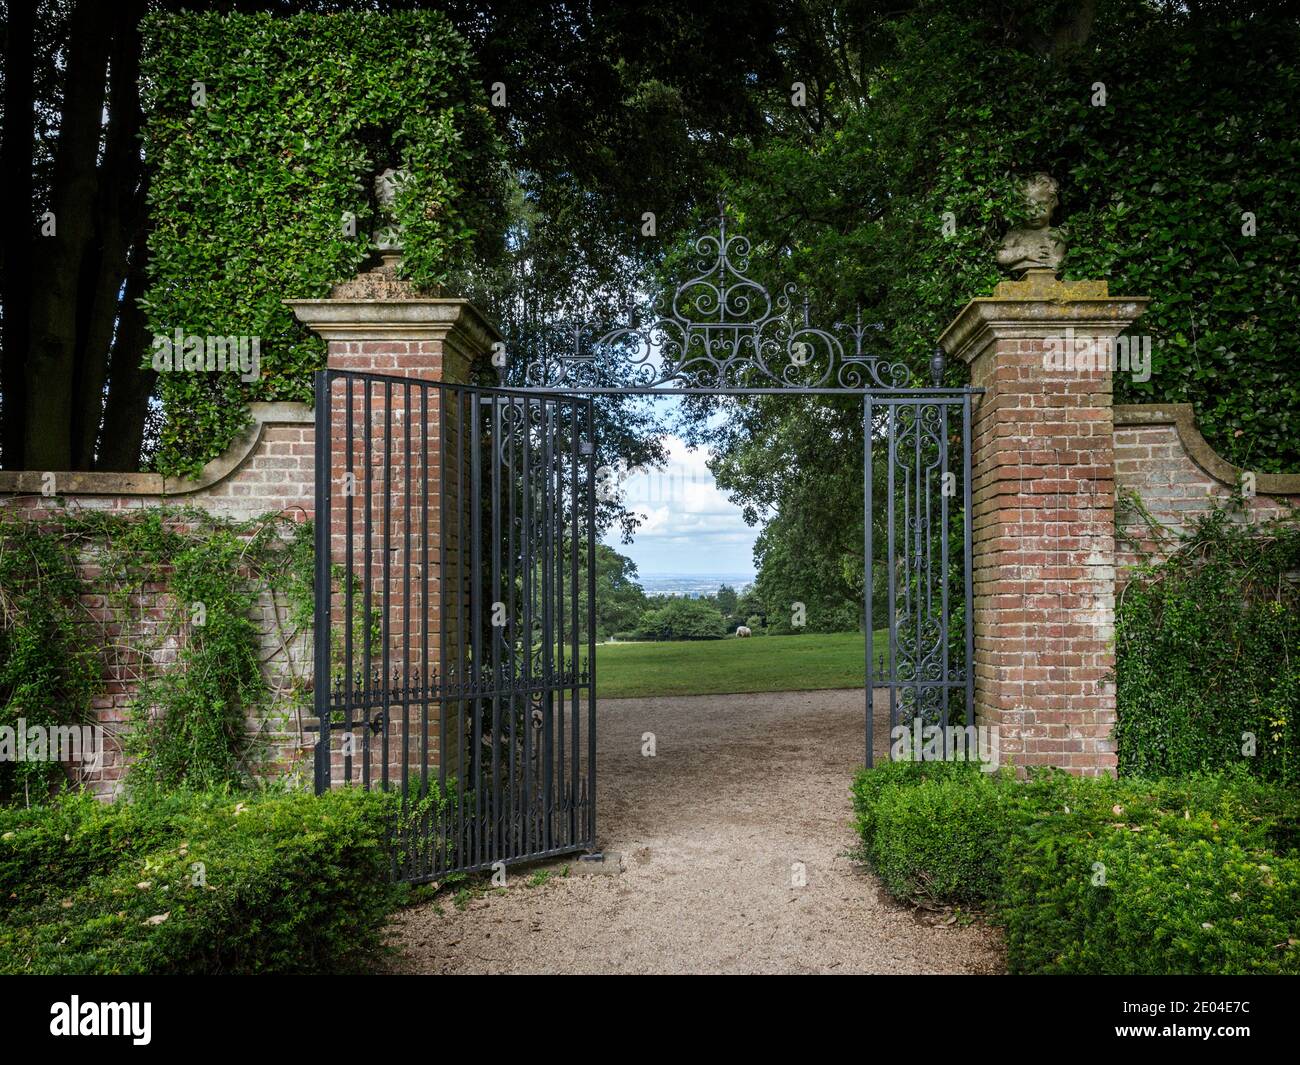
(1036, 245)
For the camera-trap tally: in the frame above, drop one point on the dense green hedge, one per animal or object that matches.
(1192, 875)
(1196, 132)
(194, 883)
(250, 188)
(933, 843)
(1208, 654)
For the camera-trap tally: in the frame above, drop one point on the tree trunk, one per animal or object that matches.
(16, 179)
(119, 215)
(57, 315)
(130, 381)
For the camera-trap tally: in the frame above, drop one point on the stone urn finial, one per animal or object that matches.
(378, 279)
(1036, 245)
(387, 236)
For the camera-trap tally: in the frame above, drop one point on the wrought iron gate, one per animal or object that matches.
(722, 333)
(455, 559)
(919, 440)
(455, 575)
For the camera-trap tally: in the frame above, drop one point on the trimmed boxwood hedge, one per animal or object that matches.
(932, 843)
(195, 883)
(1190, 875)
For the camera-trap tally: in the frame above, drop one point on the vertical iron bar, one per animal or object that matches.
(943, 561)
(548, 633)
(321, 645)
(920, 522)
(560, 789)
(527, 575)
(476, 614)
(366, 588)
(512, 485)
(385, 680)
(892, 452)
(426, 667)
(445, 623)
(575, 525)
(406, 596)
(591, 625)
(461, 636)
(970, 601)
(867, 576)
(349, 575)
(497, 632)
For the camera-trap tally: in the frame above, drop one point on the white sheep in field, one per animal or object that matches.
(743, 630)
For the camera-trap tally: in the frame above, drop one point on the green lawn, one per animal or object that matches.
(710, 667)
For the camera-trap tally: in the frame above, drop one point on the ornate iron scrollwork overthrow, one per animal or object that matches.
(718, 331)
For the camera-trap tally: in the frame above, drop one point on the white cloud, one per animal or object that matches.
(687, 523)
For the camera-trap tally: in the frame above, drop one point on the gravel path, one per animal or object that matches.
(742, 787)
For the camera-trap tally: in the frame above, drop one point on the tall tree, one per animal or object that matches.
(16, 166)
(1168, 127)
(610, 111)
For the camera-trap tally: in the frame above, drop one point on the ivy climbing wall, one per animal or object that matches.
(148, 553)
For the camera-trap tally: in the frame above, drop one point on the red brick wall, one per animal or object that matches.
(272, 470)
(1043, 511)
(272, 473)
(406, 501)
(1161, 460)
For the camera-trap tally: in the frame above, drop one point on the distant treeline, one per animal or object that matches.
(625, 612)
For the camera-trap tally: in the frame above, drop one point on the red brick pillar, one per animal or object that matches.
(1043, 477)
(376, 325)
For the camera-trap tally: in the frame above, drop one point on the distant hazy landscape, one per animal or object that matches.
(692, 584)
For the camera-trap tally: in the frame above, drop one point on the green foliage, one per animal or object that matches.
(206, 575)
(250, 189)
(620, 601)
(195, 883)
(1182, 876)
(428, 812)
(681, 619)
(937, 839)
(957, 105)
(1208, 654)
(56, 847)
(216, 681)
(1199, 874)
(726, 599)
(930, 114)
(48, 670)
(810, 547)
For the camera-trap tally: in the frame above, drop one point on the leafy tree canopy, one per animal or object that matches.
(1170, 128)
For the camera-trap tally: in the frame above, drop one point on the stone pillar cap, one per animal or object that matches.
(1039, 305)
(376, 305)
(407, 319)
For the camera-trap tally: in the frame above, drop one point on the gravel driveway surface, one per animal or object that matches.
(742, 787)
